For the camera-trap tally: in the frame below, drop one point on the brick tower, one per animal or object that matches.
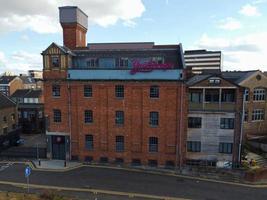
(74, 23)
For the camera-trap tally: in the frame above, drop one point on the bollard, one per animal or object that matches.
(39, 162)
(65, 163)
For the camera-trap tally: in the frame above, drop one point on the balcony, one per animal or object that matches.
(215, 100)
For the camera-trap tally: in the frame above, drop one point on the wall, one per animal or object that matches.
(8, 112)
(210, 136)
(136, 130)
(255, 127)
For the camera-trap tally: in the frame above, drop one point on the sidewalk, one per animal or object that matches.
(55, 165)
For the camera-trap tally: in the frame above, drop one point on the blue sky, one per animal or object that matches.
(237, 28)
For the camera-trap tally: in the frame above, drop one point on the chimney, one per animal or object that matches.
(74, 23)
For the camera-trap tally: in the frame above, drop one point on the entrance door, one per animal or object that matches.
(58, 147)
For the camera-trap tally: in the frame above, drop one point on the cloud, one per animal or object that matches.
(129, 23)
(42, 16)
(229, 24)
(250, 11)
(20, 62)
(241, 52)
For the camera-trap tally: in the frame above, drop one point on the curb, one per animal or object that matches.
(244, 184)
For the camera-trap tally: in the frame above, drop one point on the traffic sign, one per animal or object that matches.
(28, 171)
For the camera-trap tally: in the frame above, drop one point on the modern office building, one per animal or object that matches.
(214, 120)
(203, 61)
(113, 102)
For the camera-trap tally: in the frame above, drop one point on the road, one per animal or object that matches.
(131, 182)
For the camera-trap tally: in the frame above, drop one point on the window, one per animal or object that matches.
(258, 115)
(56, 90)
(158, 60)
(193, 146)
(154, 118)
(225, 148)
(154, 92)
(124, 62)
(214, 81)
(228, 95)
(119, 120)
(259, 94)
(246, 116)
(14, 126)
(87, 91)
(13, 116)
(195, 97)
(55, 61)
(212, 95)
(194, 122)
(88, 116)
(119, 91)
(153, 144)
(89, 142)
(4, 119)
(57, 115)
(246, 95)
(93, 62)
(119, 143)
(227, 123)
(5, 131)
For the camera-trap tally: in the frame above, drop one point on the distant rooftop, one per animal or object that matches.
(6, 102)
(199, 51)
(6, 79)
(127, 45)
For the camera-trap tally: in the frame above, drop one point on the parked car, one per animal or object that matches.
(20, 141)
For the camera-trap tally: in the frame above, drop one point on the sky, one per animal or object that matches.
(237, 28)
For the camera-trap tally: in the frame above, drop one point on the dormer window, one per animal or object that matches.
(55, 61)
(91, 63)
(215, 81)
(158, 60)
(124, 62)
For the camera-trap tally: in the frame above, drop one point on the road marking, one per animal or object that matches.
(93, 191)
(3, 167)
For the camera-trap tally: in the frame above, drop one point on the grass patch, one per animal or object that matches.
(47, 195)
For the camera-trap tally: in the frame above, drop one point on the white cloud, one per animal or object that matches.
(42, 16)
(249, 10)
(129, 23)
(229, 24)
(241, 52)
(20, 62)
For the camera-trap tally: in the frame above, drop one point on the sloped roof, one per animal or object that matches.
(237, 76)
(64, 49)
(27, 79)
(197, 78)
(26, 93)
(6, 79)
(6, 102)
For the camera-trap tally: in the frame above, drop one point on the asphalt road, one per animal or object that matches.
(134, 182)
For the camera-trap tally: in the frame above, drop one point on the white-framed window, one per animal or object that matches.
(246, 95)
(225, 147)
(92, 62)
(258, 115)
(55, 61)
(124, 62)
(259, 94)
(159, 60)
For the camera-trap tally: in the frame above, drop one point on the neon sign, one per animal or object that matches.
(149, 66)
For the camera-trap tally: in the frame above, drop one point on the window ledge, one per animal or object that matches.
(262, 120)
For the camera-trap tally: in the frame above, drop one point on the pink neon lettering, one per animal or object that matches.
(149, 66)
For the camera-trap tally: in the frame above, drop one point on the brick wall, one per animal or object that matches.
(136, 130)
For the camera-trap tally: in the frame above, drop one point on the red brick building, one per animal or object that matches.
(113, 102)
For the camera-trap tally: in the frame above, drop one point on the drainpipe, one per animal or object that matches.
(69, 114)
(180, 127)
(241, 129)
